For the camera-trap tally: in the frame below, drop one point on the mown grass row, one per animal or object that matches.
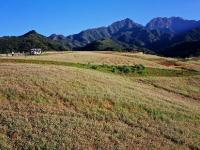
(136, 70)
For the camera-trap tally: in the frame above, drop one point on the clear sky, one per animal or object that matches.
(71, 16)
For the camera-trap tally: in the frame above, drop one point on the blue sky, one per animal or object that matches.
(71, 16)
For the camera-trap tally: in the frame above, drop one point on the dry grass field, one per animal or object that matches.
(115, 58)
(112, 58)
(49, 106)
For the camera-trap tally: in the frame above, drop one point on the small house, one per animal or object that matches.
(36, 51)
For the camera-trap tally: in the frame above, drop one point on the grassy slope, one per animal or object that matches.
(58, 107)
(111, 58)
(116, 69)
(116, 58)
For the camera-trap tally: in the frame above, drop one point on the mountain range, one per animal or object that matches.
(173, 36)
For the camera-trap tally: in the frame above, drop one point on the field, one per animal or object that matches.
(74, 100)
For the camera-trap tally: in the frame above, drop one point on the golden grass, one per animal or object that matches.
(116, 58)
(59, 107)
(111, 58)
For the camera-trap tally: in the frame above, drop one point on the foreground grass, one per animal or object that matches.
(65, 106)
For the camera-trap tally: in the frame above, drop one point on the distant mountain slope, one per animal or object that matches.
(88, 36)
(185, 45)
(103, 45)
(91, 35)
(56, 37)
(174, 25)
(112, 45)
(183, 49)
(27, 41)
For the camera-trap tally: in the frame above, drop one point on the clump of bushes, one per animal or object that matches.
(128, 69)
(119, 69)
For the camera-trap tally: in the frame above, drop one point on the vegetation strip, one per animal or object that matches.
(137, 70)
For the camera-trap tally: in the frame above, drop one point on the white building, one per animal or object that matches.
(36, 51)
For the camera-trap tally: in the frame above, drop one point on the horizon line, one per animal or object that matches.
(144, 25)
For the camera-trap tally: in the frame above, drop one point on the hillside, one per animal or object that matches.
(73, 101)
(27, 41)
(103, 45)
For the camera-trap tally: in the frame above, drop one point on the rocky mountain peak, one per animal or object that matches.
(173, 24)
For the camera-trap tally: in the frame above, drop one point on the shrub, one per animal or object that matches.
(94, 67)
(124, 69)
(114, 69)
(133, 69)
(140, 67)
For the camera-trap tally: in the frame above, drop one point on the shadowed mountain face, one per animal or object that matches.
(184, 45)
(103, 45)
